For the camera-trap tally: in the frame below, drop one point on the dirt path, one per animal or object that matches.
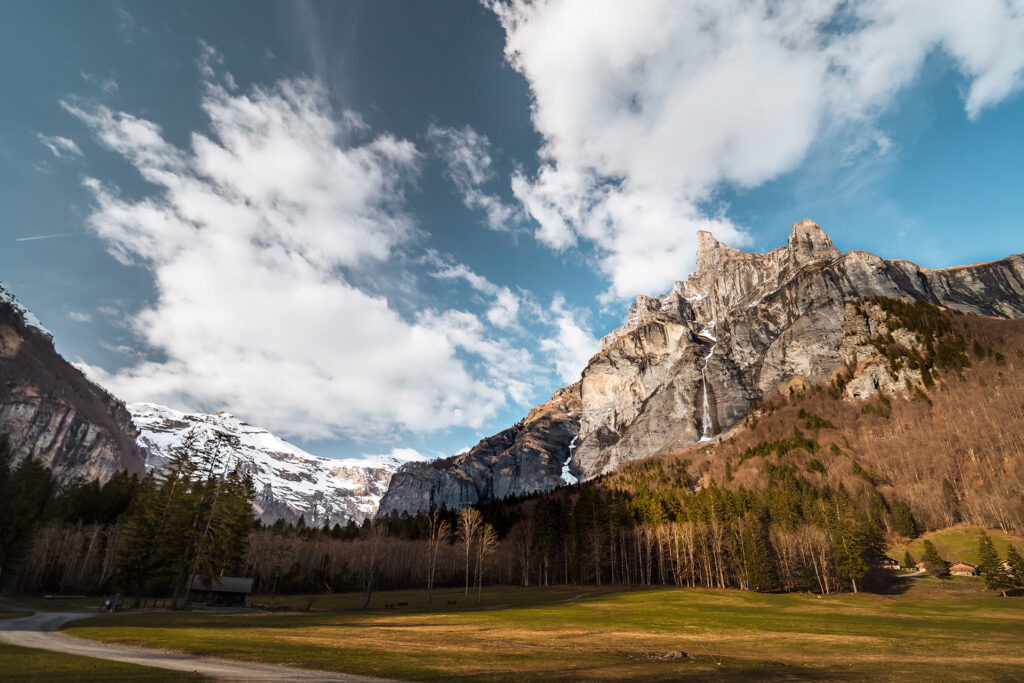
(40, 631)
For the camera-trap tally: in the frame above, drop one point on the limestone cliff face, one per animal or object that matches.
(48, 408)
(744, 325)
(533, 455)
(687, 365)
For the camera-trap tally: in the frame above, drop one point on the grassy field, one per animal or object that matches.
(958, 543)
(931, 630)
(25, 664)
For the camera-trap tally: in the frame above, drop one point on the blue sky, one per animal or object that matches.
(372, 226)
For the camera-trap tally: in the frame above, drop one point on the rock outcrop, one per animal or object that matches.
(48, 409)
(686, 366)
(533, 455)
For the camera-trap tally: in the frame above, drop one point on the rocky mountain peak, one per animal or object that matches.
(809, 242)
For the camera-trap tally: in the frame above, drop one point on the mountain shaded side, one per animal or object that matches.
(48, 409)
(289, 482)
(533, 455)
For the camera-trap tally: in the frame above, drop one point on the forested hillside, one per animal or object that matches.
(803, 495)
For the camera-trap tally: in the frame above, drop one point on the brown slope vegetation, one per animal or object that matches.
(967, 429)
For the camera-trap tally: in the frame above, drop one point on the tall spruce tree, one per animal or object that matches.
(192, 518)
(1013, 558)
(933, 562)
(903, 520)
(25, 491)
(996, 576)
(759, 559)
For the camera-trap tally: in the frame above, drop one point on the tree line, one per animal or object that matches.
(148, 536)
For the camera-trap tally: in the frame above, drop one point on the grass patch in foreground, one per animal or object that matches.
(28, 664)
(933, 630)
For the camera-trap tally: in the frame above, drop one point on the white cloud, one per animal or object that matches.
(648, 108)
(80, 317)
(108, 85)
(250, 234)
(59, 146)
(400, 454)
(467, 155)
(505, 305)
(572, 345)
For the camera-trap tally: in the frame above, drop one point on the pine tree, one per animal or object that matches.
(1016, 565)
(951, 500)
(996, 577)
(933, 562)
(760, 564)
(192, 518)
(25, 492)
(903, 520)
(908, 560)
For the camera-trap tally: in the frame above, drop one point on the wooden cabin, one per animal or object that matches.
(963, 569)
(889, 563)
(223, 591)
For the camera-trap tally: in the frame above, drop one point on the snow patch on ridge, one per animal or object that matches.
(7, 297)
(288, 481)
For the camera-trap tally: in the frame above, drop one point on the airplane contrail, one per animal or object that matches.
(45, 237)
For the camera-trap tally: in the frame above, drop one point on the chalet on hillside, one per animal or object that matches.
(963, 569)
(889, 563)
(920, 566)
(223, 591)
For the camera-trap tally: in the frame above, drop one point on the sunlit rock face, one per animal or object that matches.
(687, 365)
(744, 325)
(49, 410)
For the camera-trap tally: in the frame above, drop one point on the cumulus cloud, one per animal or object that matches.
(253, 235)
(466, 154)
(61, 147)
(648, 108)
(572, 344)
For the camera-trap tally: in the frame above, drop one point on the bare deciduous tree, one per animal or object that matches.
(438, 531)
(469, 522)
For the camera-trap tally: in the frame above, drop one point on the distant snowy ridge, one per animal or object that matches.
(288, 481)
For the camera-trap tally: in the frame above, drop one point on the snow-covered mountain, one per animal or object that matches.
(289, 482)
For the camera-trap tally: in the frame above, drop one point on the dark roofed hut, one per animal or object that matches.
(223, 591)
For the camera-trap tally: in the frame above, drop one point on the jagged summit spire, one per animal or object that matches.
(808, 240)
(708, 250)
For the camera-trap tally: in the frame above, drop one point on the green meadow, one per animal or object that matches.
(958, 543)
(925, 630)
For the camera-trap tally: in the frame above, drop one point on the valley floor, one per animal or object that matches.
(926, 630)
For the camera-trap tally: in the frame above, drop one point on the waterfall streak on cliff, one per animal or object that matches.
(707, 425)
(567, 476)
